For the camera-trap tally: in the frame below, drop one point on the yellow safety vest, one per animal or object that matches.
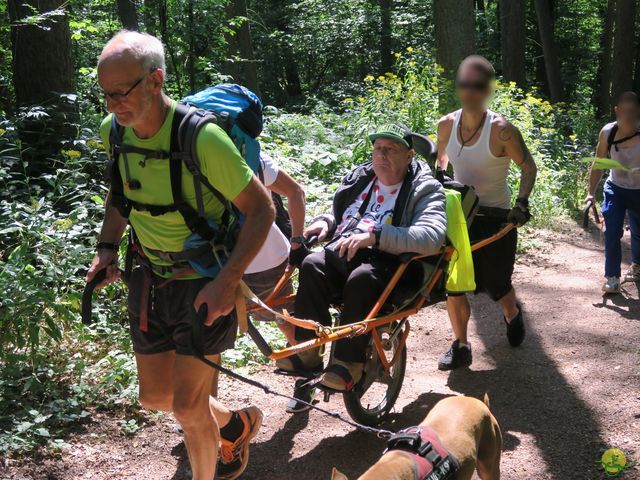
(461, 277)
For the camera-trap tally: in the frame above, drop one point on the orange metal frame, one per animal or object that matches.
(371, 322)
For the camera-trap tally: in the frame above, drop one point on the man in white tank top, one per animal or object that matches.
(480, 145)
(620, 140)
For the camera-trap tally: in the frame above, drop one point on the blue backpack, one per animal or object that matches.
(236, 110)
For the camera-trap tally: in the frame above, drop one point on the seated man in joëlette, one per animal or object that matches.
(387, 207)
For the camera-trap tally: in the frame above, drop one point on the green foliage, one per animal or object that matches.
(557, 135)
(54, 372)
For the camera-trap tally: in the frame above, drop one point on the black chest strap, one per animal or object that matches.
(433, 461)
(186, 125)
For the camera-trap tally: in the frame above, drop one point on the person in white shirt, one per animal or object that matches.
(278, 251)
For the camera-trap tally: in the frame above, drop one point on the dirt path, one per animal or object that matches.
(571, 391)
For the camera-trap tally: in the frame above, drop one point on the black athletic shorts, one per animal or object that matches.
(171, 317)
(493, 264)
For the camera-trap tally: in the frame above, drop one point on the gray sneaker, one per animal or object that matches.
(633, 274)
(612, 285)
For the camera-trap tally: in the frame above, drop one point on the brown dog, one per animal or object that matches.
(465, 427)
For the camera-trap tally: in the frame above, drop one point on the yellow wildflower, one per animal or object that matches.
(72, 153)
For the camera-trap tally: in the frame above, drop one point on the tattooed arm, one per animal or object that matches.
(444, 132)
(514, 147)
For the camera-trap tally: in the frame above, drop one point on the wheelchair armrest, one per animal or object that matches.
(408, 257)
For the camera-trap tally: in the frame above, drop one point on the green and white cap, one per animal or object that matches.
(394, 131)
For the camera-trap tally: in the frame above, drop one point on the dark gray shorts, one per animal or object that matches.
(171, 317)
(262, 283)
(494, 263)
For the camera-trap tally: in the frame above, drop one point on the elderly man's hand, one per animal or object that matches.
(319, 228)
(350, 245)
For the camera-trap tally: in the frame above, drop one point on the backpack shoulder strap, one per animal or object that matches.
(118, 199)
(187, 124)
(611, 138)
(186, 136)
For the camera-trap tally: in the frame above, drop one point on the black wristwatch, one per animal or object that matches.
(298, 239)
(523, 202)
(108, 246)
(377, 232)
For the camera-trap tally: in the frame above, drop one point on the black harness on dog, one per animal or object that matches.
(433, 461)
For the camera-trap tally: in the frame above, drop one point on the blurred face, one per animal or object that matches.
(128, 87)
(390, 160)
(473, 88)
(628, 113)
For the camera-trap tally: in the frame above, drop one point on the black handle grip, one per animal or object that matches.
(311, 241)
(87, 295)
(259, 340)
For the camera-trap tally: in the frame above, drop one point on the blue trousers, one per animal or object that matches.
(617, 202)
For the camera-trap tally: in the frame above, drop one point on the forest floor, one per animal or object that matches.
(571, 391)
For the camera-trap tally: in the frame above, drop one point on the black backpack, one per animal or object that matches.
(283, 220)
(187, 123)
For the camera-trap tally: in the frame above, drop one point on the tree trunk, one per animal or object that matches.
(42, 65)
(242, 62)
(623, 48)
(42, 71)
(166, 38)
(191, 59)
(605, 64)
(150, 9)
(455, 39)
(128, 13)
(513, 33)
(544, 12)
(636, 75)
(386, 49)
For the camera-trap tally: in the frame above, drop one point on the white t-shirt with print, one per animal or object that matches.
(379, 210)
(275, 249)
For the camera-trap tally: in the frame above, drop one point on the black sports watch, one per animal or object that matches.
(377, 232)
(298, 239)
(523, 202)
(108, 246)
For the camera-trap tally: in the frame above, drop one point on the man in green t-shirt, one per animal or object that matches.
(131, 71)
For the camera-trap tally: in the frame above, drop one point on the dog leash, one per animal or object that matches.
(196, 345)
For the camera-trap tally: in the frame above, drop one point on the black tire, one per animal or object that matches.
(357, 401)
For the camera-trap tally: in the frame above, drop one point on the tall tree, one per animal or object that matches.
(545, 14)
(241, 64)
(455, 39)
(636, 74)
(386, 48)
(605, 63)
(623, 47)
(128, 13)
(513, 34)
(191, 59)
(42, 65)
(42, 74)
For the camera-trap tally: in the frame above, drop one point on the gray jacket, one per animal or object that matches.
(419, 220)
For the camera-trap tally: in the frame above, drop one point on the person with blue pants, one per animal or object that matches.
(620, 141)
